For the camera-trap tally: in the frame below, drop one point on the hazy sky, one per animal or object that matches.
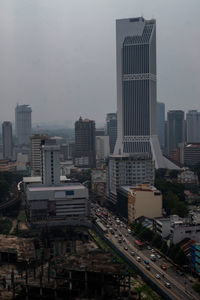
(59, 55)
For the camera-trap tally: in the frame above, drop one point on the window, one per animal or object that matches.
(69, 193)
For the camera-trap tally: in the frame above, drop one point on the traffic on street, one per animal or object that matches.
(176, 284)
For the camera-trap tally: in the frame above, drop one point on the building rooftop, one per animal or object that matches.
(139, 187)
(37, 179)
(42, 188)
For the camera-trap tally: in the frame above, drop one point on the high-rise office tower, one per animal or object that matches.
(23, 126)
(193, 126)
(136, 90)
(111, 130)
(7, 140)
(36, 141)
(85, 153)
(161, 124)
(175, 130)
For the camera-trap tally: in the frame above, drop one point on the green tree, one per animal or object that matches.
(180, 258)
(173, 174)
(146, 234)
(157, 241)
(170, 202)
(164, 248)
(5, 226)
(173, 251)
(180, 209)
(4, 189)
(137, 227)
(196, 287)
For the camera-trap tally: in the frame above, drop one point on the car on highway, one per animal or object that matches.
(153, 257)
(146, 261)
(148, 247)
(126, 248)
(132, 253)
(163, 267)
(179, 272)
(138, 258)
(167, 284)
(148, 267)
(158, 256)
(153, 251)
(157, 276)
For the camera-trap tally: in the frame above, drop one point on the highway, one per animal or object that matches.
(175, 285)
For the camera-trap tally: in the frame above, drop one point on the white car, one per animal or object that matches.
(157, 276)
(167, 284)
(138, 258)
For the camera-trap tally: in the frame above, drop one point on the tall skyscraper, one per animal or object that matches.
(175, 131)
(161, 124)
(36, 141)
(7, 140)
(193, 126)
(85, 153)
(111, 130)
(23, 126)
(136, 89)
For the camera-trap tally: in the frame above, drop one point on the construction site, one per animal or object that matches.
(61, 264)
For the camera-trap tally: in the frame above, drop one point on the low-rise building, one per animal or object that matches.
(139, 200)
(180, 230)
(51, 202)
(162, 227)
(192, 154)
(187, 177)
(176, 229)
(51, 205)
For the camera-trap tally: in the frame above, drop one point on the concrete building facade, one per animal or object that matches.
(7, 140)
(23, 124)
(36, 141)
(58, 204)
(111, 130)
(175, 130)
(50, 164)
(193, 126)
(161, 124)
(85, 151)
(102, 147)
(191, 154)
(141, 200)
(127, 170)
(136, 89)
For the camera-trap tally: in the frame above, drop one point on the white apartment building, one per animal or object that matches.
(35, 153)
(128, 169)
(102, 147)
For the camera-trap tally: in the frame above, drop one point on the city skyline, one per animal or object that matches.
(57, 63)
